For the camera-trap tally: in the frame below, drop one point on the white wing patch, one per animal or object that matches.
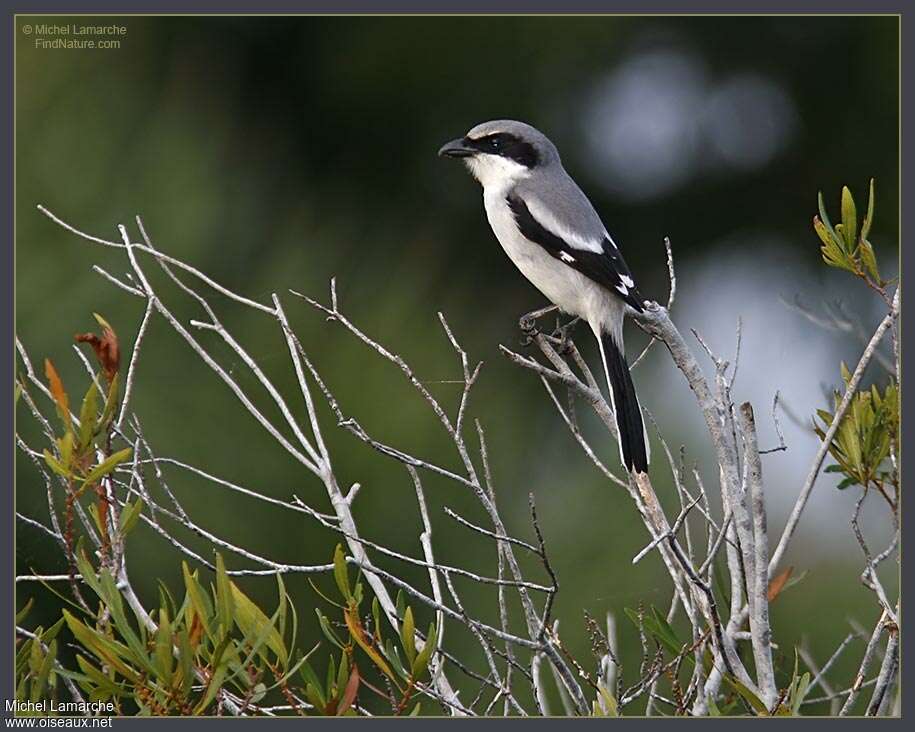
(566, 257)
(573, 239)
(627, 281)
(623, 289)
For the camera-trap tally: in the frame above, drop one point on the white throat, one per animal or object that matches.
(496, 173)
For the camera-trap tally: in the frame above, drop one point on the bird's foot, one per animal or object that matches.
(562, 334)
(528, 323)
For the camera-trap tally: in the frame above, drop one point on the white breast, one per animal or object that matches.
(563, 286)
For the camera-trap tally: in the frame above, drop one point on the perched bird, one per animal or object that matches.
(552, 233)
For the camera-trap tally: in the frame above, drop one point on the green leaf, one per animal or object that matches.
(342, 674)
(164, 656)
(869, 216)
(754, 701)
(281, 610)
(56, 466)
(327, 630)
(113, 600)
(421, 663)
(21, 615)
(713, 710)
(868, 259)
(310, 678)
(51, 633)
(111, 402)
(849, 219)
(185, 661)
(252, 622)
(199, 599)
(331, 677)
(667, 635)
(376, 616)
(87, 416)
(44, 671)
(390, 653)
(800, 691)
(129, 516)
(224, 608)
(609, 701)
(65, 449)
(315, 698)
(110, 652)
(415, 711)
(341, 576)
(407, 636)
(107, 465)
(820, 228)
(824, 217)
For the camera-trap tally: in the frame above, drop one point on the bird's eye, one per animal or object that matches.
(495, 142)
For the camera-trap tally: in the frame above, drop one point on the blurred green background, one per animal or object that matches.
(274, 153)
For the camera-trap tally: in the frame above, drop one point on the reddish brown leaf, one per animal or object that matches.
(196, 632)
(778, 583)
(58, 392)
(349, 695)
(107, 350)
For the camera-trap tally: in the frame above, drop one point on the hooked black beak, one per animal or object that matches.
(456, 149)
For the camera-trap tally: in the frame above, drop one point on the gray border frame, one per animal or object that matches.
(449, 7)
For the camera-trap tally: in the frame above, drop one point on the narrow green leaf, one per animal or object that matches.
(310, 678)
(341, 576)
(198, 598)
(609, 701)
(327, 630)
(224, 607)
(331, 678)
(129, 516)
(88, 413)
(376, 616)
(56, 466)
(800, 692)
(869, 216)
(824, 217)
(342, 673)
(164, 657)
(407, 636)
(869, 259)
(65, 450)
(111, 402)
(106, 466)
(421, 663)
(44, 671)
(820, 228)
(108, 651)
(713, 710)
(252, 621)
(754, 701)
(849, 219)
(185, 661)
(21, 615)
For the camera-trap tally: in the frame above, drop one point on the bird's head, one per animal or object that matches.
(503, 151)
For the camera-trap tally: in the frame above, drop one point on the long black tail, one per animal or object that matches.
(633, 447)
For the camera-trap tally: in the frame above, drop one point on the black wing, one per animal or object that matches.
(607, 268)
